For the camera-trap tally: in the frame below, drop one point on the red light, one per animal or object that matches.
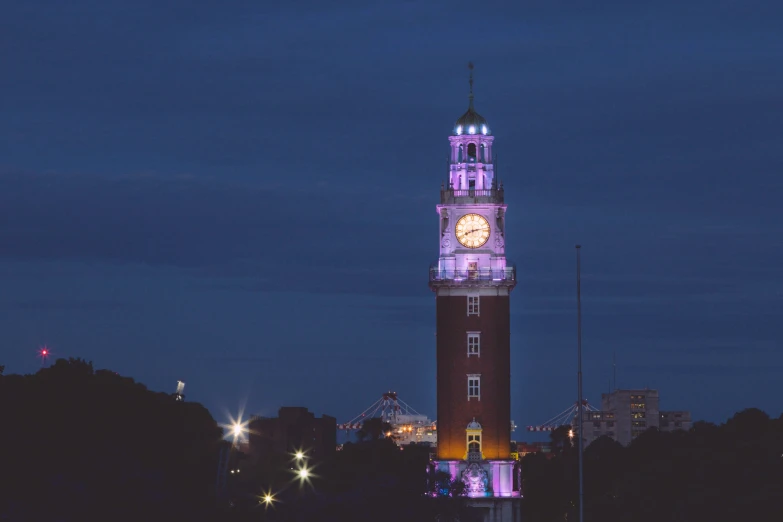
(44, 352)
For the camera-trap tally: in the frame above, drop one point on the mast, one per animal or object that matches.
(579, 378)
(614, 371)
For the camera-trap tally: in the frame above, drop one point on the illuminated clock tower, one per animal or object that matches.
(472, 282)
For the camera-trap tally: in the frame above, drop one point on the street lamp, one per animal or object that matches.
(304, 474)
(268, 499)
(237, 429)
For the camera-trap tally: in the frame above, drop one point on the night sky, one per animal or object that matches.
(241, 194)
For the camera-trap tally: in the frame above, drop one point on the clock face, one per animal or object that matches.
(472, 230)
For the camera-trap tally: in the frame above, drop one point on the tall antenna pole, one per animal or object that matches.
(579, 377)
(470, 96)
(614, 371)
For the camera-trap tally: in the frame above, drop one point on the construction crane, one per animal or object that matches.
(407, 424)
(564, 418)
(389, 408)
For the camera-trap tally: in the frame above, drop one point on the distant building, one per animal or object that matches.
(294, 429)
(414, 429)
(625, 414)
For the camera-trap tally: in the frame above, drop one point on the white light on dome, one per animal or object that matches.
(472, 129)
(459, 129)
(483, 129)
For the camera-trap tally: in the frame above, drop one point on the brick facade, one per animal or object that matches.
(493, 408)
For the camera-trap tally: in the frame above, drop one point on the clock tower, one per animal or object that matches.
(472, 282)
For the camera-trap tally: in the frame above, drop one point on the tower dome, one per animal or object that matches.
(473, 425)
(471, 122)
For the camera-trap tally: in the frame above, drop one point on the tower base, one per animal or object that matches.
(484, 478)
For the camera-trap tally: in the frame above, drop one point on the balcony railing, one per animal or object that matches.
(451, 196)
(502, 276)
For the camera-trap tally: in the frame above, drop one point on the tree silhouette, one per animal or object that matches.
(81, 444)
(374, 428)
(727, 472)
(562, 439)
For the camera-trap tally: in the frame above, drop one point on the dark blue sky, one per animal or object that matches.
(242, 194)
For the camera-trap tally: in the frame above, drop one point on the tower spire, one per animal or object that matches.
(470, 96)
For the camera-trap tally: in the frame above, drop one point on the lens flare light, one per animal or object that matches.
(267, 499)
(304, 474)
(236, 429)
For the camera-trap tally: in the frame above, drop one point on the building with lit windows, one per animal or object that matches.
(472, 282)
(625, 414)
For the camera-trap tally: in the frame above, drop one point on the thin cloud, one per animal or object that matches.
(95, 305)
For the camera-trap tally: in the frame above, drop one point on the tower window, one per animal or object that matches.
(472, 152)
(483, 153)
(474, 443)
(460, 154)
(474, 343)
(474, 386)
(473, 305)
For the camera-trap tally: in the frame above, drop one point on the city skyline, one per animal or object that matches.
(242, 198)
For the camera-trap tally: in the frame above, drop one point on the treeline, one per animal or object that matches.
(729, 472)
(81, 444)
(78, 444)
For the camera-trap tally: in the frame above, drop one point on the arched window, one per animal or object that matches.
(472, 152)
(483, 153)
(474, 443)
(473, 433)
(460, 155)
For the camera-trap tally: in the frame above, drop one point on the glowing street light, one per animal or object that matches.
(268, 499)
(299, 455)
(237, 429)
(303, 474)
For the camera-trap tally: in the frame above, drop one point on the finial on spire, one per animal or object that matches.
(470, 96)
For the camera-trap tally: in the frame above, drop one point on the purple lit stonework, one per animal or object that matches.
(472, 282)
